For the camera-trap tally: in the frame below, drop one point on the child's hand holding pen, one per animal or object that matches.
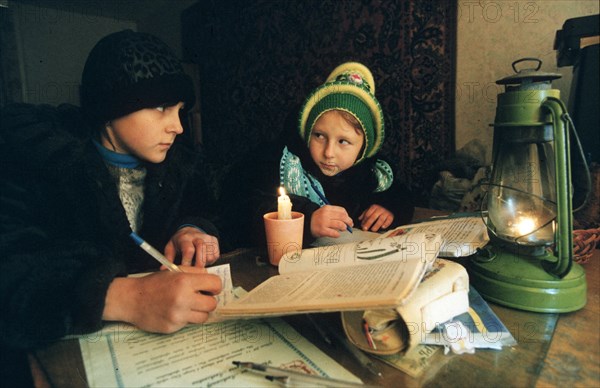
(329, 220)
(164, 301)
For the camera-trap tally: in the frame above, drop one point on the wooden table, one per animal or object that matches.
(553, 349)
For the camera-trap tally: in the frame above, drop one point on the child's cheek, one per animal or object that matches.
(314, 151)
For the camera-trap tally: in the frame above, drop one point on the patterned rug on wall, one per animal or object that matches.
(259, 59)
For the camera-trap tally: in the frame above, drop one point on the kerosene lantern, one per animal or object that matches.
(528, 263)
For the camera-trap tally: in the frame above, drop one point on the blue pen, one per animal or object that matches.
(325, 201)
(154, 253)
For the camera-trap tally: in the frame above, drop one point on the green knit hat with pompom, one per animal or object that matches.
(350, 87)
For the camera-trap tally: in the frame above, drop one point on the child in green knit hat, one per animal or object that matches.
(342, 125)
(329, 167)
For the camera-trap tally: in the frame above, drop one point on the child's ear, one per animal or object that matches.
(362, 150)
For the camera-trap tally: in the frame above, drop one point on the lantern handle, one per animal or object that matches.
(564, 231)
(514, 64)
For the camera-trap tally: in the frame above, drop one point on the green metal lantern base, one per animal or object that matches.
(520, 282)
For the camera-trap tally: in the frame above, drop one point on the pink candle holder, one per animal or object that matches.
(283, 236)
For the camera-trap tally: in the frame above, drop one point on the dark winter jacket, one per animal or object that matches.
(256, 178)
(64, 235)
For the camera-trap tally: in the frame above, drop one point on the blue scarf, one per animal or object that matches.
(116, 159)
(296, 180)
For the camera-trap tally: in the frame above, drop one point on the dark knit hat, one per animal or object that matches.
(350, 87)
(127, 71)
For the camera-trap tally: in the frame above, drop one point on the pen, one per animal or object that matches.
(290, 377)
(325, 201)
(154, 253)
(356, 353)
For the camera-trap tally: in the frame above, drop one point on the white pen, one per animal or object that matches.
(154, 253)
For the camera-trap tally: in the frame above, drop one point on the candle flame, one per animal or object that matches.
(281, 190)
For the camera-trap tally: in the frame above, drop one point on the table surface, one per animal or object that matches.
(553, 349)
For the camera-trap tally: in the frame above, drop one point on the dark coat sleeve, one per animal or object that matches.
(199, 204)
(50, 284)
(177, 194)
(398, 200)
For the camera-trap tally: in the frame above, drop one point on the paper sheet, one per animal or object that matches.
(415, 361)
(202, 355)
(485, 330)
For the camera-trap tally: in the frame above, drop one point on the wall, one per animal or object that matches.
(53, 46)
(492, 35)
(166, 23)
(258, 60)
(55, 38)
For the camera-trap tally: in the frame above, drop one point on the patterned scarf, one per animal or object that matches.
(129, 175)
(296, 180)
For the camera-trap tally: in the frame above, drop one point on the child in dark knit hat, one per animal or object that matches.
(329, 166)
(76, 183)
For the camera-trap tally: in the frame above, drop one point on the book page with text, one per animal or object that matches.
(404, 247)
(462, 235)
(378, 285)
(374, 283)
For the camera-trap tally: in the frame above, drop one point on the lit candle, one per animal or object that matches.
(284, 206)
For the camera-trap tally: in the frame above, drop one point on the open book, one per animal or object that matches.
(463, 234)
(373, 274)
